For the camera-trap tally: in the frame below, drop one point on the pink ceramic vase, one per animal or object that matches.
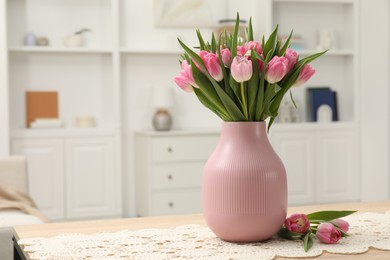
(244, 185)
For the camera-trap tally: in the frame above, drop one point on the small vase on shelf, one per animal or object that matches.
(162, 99)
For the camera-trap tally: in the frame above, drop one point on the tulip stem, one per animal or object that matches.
(244, 106)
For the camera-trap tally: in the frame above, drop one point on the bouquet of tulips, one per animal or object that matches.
(327, 226)
(243, 81)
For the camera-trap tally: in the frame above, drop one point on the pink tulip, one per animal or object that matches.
(241, 50)
(226, 57)
(241, 69)
(292, 57)
(306, 73)
(276, 69)
(254, 45)
(342, 224)
(211, 62)
(298, 223)
(185, 80)
(328, 234)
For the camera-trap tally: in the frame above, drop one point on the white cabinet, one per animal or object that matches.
(72, 178)
(296, 150)
(91, 180)
(45, 173)
(169, 168)
(337, 165)
(320, 160)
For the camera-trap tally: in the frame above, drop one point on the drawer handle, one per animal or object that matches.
(170, 177)
(170, 204)
(169, 149)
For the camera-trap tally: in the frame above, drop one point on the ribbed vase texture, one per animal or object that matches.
(244, 185)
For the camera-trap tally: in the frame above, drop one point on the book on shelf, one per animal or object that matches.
(322, 104)
(41, 104)
(46, 123)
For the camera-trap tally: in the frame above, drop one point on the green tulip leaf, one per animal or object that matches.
(310, 58)
(284, 233)
(271, 121)
(213, 43)
(230, 106)
(270, 44)
(307, 242)
(329, 215)
(253, 87)
(207, 88)
(282, 51)
(259, 57)
(292, 99)
(200, 38)
(235, 86)
(210, 105)
(235, 37)
(250, 30)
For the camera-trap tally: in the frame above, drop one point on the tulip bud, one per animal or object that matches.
(342, 224)
(226, 57)
(298, 223)
(276, 69)
(306, 73)
(185, 80)
(328, 234)
(241, 50)
(292, 57)
(241, 69)
(211, 62)
(254, 45)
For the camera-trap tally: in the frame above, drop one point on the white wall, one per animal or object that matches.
(375, 82)
(4, 116)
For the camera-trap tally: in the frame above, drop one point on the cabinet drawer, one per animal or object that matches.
(178, 201)
(182, 148)
(177, 175)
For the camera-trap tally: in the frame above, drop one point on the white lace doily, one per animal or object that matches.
(198, 242)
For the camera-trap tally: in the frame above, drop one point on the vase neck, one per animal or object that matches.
(252, 130)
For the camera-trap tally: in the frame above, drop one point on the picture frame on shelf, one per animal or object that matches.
(189, 13)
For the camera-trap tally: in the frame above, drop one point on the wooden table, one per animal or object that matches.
(52, 229)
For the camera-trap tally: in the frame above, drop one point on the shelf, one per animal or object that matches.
(315, 1)
(180, 132)
(38, 49)
(62, 132)
(178, 52)
(303, 126)
(149, 51)
(329, 53)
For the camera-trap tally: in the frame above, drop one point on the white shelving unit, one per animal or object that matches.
(44, 49)
(83, 164)
(338, 68)
(315, 154)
